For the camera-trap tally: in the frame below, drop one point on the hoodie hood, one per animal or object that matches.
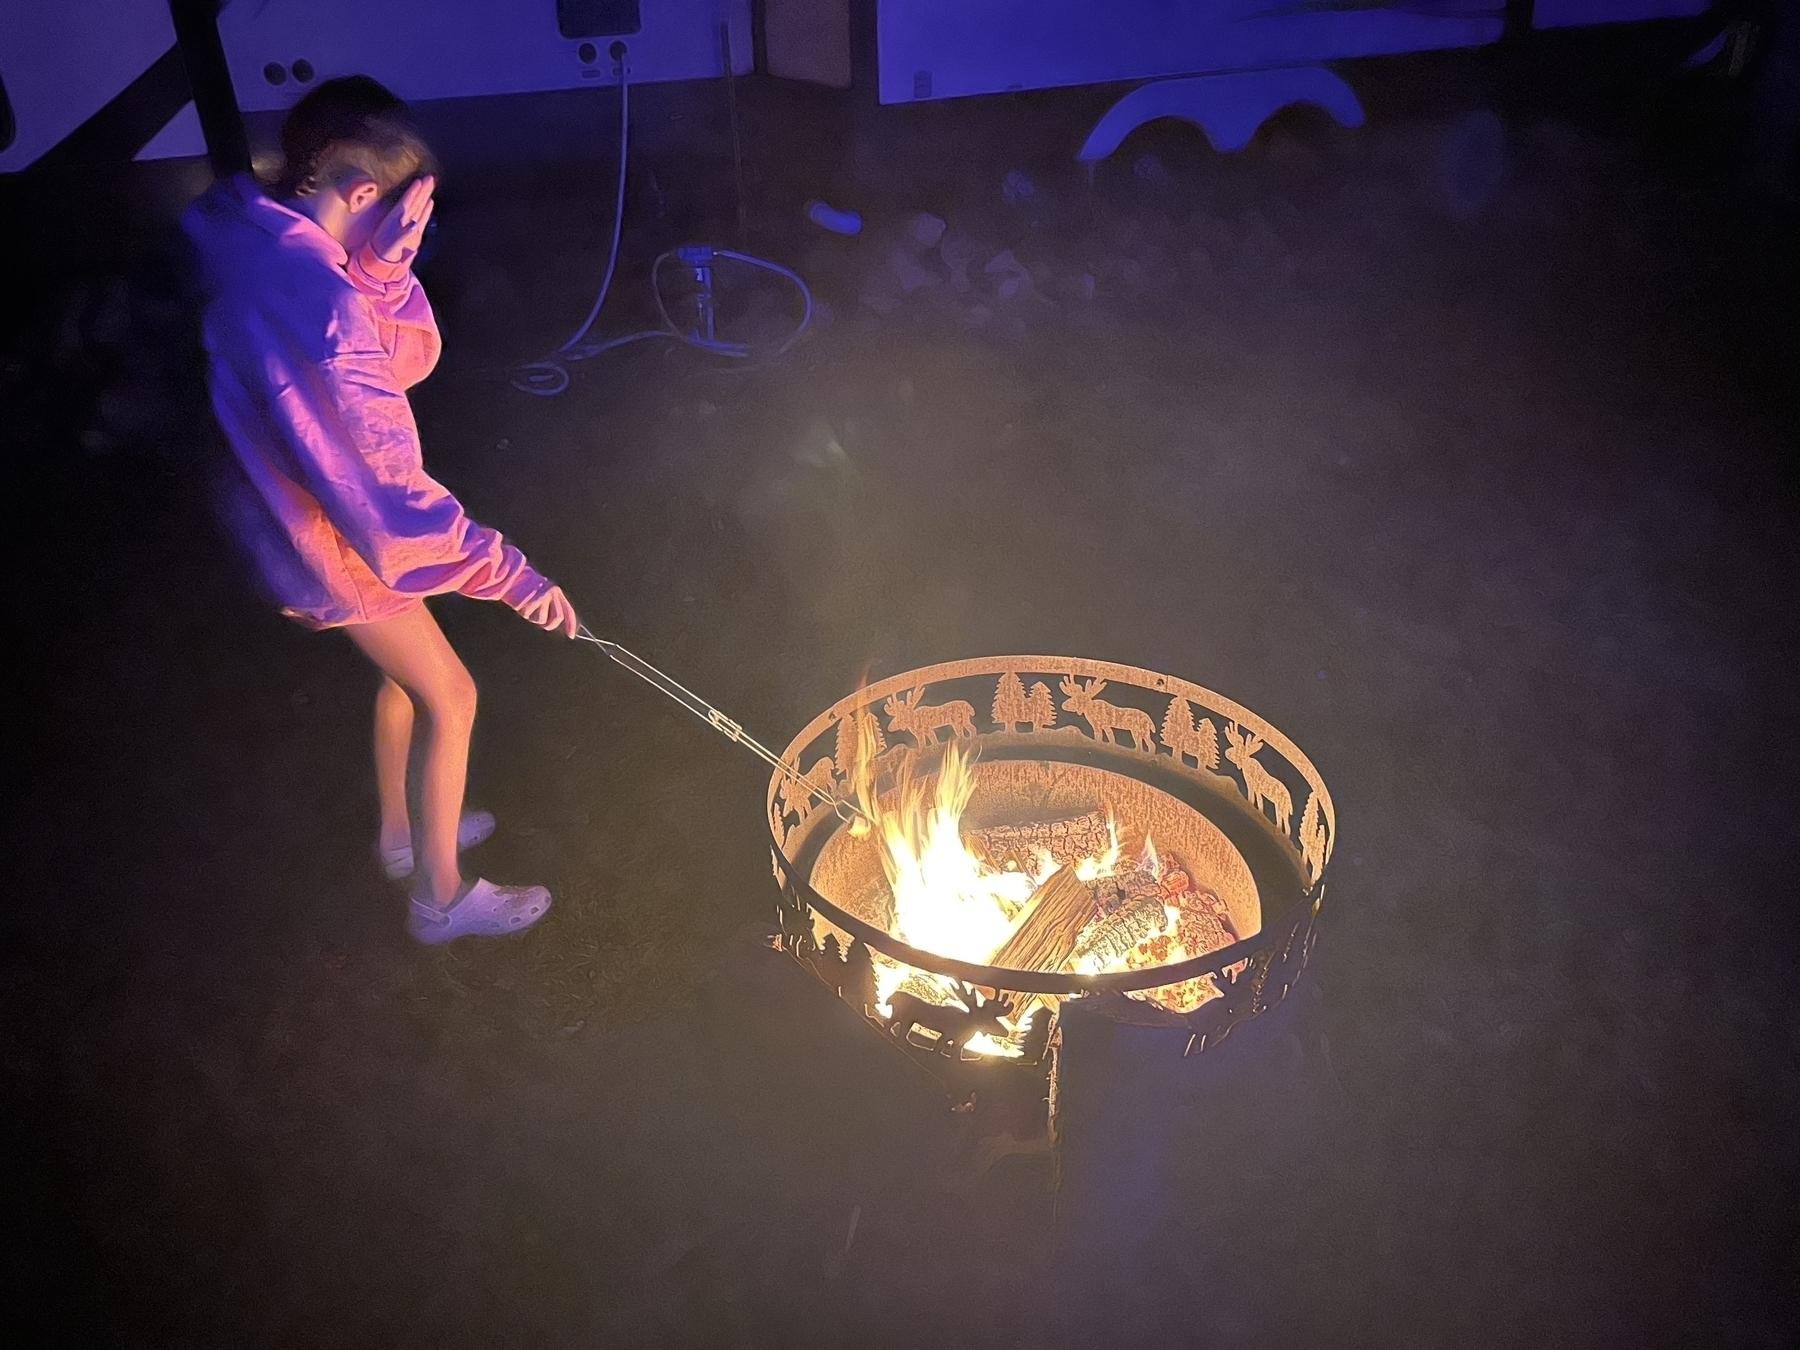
(236, 225)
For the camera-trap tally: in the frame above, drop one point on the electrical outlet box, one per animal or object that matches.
(598, 18)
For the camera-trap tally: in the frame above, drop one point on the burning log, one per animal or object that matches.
(1139, 920)
(1020, 848)
(1054, 917)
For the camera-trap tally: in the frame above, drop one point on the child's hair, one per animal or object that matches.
(353, 125)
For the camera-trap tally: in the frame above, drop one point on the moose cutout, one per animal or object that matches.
(1108, 719)
(953, 1026)
(1260, 785)
(923, 721)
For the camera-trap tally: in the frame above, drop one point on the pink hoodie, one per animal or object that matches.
(311, 355)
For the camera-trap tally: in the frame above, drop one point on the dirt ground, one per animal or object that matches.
(1483, 494)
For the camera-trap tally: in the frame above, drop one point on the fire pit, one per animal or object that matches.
(1032, 830)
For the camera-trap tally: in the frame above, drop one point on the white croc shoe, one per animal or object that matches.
(471, 828)
(482, 910)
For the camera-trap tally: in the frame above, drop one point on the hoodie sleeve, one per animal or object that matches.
(403, 317)
(356, 445)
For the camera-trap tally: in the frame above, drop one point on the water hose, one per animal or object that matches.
(549, 377)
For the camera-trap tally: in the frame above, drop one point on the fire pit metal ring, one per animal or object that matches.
(1152, 728)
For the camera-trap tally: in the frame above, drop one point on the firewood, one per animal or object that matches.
(1054, 917)
(1021, 847)
(1138, 920)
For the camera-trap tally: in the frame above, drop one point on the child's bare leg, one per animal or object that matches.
(393, 741)
(412, 651)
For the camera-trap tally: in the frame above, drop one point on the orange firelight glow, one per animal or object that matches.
(950, 900)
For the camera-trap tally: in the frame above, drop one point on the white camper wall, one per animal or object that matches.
(63, 63)
(952, 48)
(1578, 13)
(433, 49)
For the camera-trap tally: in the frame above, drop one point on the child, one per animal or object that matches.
(315, 327)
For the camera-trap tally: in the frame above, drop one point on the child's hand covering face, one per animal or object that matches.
(397, 237)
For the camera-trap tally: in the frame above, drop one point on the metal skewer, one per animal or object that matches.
(718, 721)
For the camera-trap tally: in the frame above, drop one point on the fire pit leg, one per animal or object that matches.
(1127, 1105)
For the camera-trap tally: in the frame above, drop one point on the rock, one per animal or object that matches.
(820, 448)
(1004, 263)
(927, 229)
(1011, 276)
(1017, 186)
(1149, 169)
(907, 270)
(880, 291)
(958, 251)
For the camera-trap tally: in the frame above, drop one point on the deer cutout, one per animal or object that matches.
(1313, 839)
(1012, 705)
(1182, 734)
(1108, 719)
(820, 776)
(954, 1026)
(923, 721)
(1259, 784)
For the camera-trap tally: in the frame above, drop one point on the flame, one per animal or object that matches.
(947, 900)
(951, 901)
(1092, 869)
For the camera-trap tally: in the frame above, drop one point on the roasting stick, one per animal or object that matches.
(717, 720)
